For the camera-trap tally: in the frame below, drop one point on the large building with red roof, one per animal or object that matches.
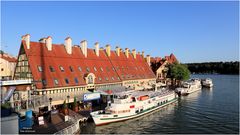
(57, 68)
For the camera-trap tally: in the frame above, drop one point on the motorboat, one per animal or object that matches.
(189, 87)
(207, 83)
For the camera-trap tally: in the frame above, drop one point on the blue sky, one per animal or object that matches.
(193, 31)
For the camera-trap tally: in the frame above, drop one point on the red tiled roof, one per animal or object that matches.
(8, 58)
(38, 55)
(157, 61)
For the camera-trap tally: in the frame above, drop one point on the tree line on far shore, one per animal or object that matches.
(214, 67)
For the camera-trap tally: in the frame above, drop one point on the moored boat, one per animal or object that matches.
(128, 105)
(207, 83)
(189, 87)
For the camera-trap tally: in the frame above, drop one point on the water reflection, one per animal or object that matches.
(192, 96)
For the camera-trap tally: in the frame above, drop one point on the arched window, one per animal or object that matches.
(90, 79)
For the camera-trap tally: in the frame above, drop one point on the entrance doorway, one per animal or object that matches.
(91, 90)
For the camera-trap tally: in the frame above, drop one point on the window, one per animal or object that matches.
(106, 79)
(95, 69)
(71, 68)
(101, 69)
(76, 80)
(61, 68)
(90, 79)
(100, 79)
(2, 69)
(51, 69)
(44, 82)
(80, 69)
(118, 78)
(66, 80)
(112, 78)
(39, 69)
(56, 82)
(87, 69)
(113, 69)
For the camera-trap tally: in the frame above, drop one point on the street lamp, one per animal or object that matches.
(50, 100)
(68, 100)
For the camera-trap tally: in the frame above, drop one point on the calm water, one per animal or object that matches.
(205, 111)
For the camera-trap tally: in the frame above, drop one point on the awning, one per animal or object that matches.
(112, 90)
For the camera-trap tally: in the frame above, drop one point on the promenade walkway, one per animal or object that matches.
(58, 125)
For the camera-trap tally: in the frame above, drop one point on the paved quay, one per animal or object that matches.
(57, 124)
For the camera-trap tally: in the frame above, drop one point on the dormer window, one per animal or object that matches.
(61, 68)
(100, 79)
(80, 69)
(87, 69)
(44, 82)
(56, 82)
(71, 68)
(112, 78)
(101, 69)
(95, 69)
(76, 80)
(67, 81)
(40, 68)
(51, 69)
(106, 78)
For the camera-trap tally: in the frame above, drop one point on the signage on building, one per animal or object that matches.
(131, 82)
(91, 96)
(15, 82)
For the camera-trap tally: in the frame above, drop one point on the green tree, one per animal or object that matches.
(178, 72)
(65, 105)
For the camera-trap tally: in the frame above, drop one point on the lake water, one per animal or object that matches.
(207, 111)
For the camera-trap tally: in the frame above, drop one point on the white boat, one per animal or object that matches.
(128, 105)
(207, 83)
(189, 87)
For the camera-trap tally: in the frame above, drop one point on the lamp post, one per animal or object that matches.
(68, 100)
(50, 100)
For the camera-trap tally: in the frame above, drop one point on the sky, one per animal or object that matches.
(203, 31)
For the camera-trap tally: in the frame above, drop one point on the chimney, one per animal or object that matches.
(148, 60)
(84, 47)
(108, 50)
(97, 48)
(134, 53)
(49, 43)
(143, 54)
(118, 51)
(26, 38)
(68, 45)
(126, 52)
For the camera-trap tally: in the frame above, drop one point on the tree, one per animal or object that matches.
(178, 72)
(75, 105)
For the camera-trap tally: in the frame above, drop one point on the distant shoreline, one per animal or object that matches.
(224, 68)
